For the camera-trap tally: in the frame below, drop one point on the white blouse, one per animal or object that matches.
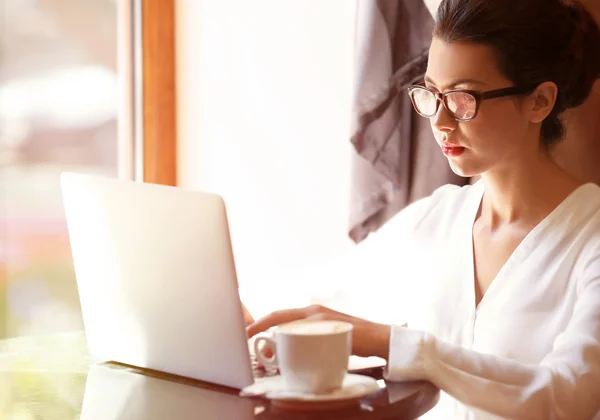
(531, 349)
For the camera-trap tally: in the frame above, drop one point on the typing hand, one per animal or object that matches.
(247, 316)
(368, 338)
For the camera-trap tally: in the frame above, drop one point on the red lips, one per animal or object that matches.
(452, 150)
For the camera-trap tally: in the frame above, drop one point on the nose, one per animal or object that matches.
(442, 121)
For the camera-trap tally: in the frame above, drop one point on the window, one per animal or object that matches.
(264, 111)
(58, 111)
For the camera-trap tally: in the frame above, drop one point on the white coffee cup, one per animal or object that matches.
(312, 356)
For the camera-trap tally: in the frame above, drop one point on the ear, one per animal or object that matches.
(542, 101)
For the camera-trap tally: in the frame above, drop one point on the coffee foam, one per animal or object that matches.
(314, 327)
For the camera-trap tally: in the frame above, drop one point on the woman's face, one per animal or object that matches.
(500, 133)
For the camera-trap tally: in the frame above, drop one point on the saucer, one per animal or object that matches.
(353, 388)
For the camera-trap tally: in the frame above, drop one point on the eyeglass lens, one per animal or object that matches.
(460, 104)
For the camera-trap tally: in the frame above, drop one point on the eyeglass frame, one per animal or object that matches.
(479, 97)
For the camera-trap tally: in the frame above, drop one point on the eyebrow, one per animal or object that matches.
(456, 82)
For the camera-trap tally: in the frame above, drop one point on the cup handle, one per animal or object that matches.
(270, 362)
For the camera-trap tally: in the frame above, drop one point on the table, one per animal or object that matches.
(54, 378)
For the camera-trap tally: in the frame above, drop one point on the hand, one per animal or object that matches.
(368, 338)
(248, 319)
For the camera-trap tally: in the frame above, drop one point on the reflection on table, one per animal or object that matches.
(54, 378)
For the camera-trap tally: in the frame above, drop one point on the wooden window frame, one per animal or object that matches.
(148, 115)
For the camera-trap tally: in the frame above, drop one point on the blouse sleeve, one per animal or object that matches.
(565, 385)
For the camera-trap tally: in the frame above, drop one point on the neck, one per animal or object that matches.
(524, 192)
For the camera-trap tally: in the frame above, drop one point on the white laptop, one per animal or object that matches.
(156, 279)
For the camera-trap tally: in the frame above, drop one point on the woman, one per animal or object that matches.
(511, 320)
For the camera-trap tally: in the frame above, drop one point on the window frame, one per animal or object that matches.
(148, 113)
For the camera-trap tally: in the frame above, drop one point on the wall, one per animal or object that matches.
(264, 93)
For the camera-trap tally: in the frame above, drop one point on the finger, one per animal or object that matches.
(326, 314)
(322, 317)
(277, 318)
(248, 319)
(267, 351)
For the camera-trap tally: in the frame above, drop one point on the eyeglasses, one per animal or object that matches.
(462, 105)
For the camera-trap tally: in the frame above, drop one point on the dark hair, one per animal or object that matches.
(535, 41)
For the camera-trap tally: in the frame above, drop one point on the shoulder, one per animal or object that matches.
(588, 234)
(445, 204)
(585, 215)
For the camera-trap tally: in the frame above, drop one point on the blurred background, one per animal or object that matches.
(58, 112)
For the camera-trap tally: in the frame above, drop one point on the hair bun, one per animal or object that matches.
(584, 55)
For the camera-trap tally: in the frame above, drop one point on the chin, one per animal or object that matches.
(465, 169)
